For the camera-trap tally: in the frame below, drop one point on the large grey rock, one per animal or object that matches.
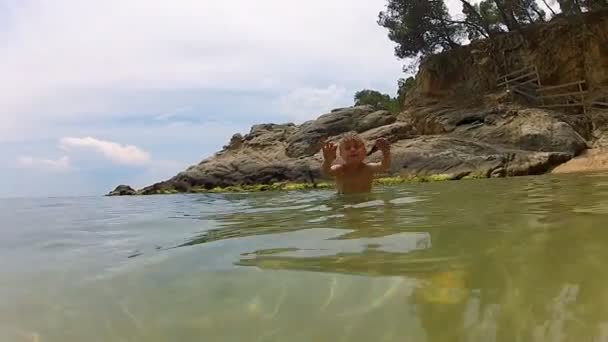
(440, 119)
(269, 134)
(460, 157)
(247, 173)
(307, 139)
(393, 132)
(373, 120)
(530, 130)
(122, 190)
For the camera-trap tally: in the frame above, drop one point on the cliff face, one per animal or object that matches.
(564, 50)
(457, 123)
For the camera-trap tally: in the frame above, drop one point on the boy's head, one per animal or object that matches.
(352, 148)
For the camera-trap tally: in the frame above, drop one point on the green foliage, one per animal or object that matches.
(385, 101)
(371, 97)
(440, 177)
(424, 27)
(391, 180)
(527, 11)
(403, 87)
(281, 186)
(378, 100)
(419, 27)
(568, 7)
(412, 179)
(573, 7)
(483, 19)
(576, 7)
(594, 5)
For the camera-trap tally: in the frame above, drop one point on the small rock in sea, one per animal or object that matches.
(122, 190)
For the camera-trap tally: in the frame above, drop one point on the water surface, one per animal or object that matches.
(520, 259)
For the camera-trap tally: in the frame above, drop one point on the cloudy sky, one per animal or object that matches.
(97, 93)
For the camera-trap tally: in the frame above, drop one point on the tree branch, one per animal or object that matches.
(473, 10)
(479, 29)
(508, 19)
(549, 7)
(539, 13)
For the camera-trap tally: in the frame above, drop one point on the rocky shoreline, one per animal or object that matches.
(125, 190)
(480, 142)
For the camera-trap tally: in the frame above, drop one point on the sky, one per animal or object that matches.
(99, 93)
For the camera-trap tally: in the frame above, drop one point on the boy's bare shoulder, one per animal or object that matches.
(374, 167)
(371, 166)
(337, 167)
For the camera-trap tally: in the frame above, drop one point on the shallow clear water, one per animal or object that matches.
(520, 259)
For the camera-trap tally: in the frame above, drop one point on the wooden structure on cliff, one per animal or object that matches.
(525, 82)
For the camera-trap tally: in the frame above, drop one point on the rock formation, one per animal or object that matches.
(122, 190)
(482, 142)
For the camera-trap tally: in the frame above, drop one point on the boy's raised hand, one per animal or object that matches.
(382, 145)
(329, 151)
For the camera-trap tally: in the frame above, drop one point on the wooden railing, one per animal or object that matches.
(599, 103)
(526, 82)
(564, 95)
(521, 77)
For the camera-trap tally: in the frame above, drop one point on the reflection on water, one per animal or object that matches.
(490, 260)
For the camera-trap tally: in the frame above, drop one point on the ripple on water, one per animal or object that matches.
(369, 204)
(325, 218)
(316, 242)
(600, 208)
(322, 207)
(405, 200)
(272, 209)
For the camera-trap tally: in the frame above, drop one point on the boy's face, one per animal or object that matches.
(352, 151)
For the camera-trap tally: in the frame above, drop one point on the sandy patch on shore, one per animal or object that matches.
(594, 159)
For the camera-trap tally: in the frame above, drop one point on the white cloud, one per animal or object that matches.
(307, 103)
(61, 165)
(121, 154)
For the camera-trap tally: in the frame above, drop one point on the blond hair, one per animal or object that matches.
(351, 137)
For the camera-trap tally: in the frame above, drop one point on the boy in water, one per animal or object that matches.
(354, 175)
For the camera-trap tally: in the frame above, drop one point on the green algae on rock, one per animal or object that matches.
(282, 186)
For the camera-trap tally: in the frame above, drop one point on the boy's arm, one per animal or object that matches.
(326, 167)
(329, 156)
(385, 164)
